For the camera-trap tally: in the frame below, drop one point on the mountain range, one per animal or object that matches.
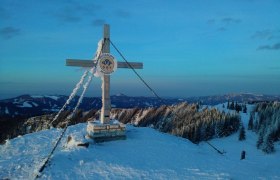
(33, 105)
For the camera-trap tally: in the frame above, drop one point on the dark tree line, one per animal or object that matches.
(204, 125)
(11, 127)
(188, 121)
(265, 120)
(237, 107)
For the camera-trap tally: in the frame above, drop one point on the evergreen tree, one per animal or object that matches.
(197, 106)
(245, 109)
(260, 141)
(197, 137)
(228, 105)
(256, 125)
(268, 146)
(237, 107)
(251, 122)
(242, 135)
(219, 129)
(231, 107)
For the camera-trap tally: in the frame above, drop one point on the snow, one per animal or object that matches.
(35, 104)
(7, 110)
(37, 96)
(145, 154)
(147, 104)
(26, 104)
(47, 96)
(53, 97)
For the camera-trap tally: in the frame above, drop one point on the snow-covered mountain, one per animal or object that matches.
(29, 105)
(34, 105)
(145, 154)
(237, 97)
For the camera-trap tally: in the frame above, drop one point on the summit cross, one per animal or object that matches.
(107, 65)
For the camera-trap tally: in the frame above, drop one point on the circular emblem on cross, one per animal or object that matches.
(107, 64)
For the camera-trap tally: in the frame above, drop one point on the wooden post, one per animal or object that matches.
(106, 101)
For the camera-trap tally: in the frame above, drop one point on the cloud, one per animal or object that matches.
(223, 24)
(98, 22)
(9, 32)
(86, 9)
(74, 12)
(270, 47)
(267, 34)
(67, 16)
(123, 14)
(230, 20)
(211, 21)
(222, 29)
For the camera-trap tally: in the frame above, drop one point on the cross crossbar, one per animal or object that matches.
(91, 63)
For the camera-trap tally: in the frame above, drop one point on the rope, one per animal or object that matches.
(85, 86)
(68, 119)
(78, 85)
(72, 95)
(75, 90)
(152, 90)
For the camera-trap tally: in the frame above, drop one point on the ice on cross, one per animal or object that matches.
(106, 64)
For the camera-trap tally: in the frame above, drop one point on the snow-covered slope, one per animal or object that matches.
(145, 154)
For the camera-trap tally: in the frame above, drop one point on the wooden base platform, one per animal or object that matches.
(114, 130)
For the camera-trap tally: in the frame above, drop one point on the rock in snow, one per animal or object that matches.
(145, 154)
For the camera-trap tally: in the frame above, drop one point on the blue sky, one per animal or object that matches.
(189, 48)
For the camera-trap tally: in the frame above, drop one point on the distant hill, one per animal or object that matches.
(238, 97)
(31, 105)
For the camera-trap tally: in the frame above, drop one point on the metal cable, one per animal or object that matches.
(51, 153)
(144, 82)
(153, 91)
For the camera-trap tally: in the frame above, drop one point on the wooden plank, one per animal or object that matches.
(80, 63)
(91, 63)
(106, 36)
(106, 101)
(135, 65)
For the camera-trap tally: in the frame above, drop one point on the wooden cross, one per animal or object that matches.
(106, 102)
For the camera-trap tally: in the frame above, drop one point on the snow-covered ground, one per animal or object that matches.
(145, 154)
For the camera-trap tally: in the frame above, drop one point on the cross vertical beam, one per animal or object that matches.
(106, 101)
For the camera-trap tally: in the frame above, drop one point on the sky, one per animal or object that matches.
(189, 48)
